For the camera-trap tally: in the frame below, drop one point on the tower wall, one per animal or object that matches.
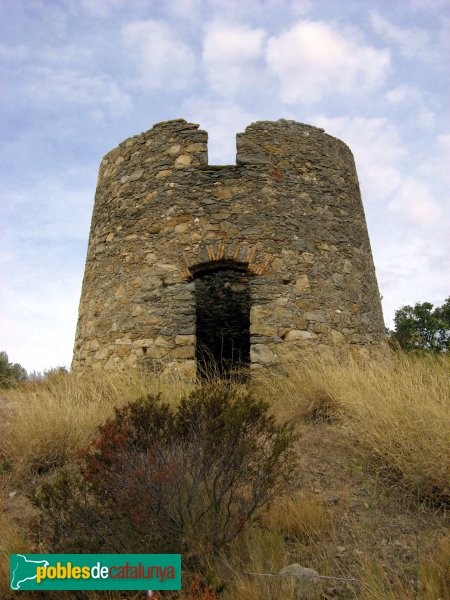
(289, 212)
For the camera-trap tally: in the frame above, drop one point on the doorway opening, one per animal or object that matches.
(222, 298)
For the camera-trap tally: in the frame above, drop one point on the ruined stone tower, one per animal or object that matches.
(241, 264)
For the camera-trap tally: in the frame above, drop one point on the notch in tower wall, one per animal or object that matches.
(289, 214)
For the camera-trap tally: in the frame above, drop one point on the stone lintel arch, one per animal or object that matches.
(251, 258)
(199, 270)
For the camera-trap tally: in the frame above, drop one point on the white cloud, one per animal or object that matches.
(38, 328)
(50, 85)
(435, 164)
(44, 247)
(377, 148)
(400, 94)
(413, 201)
(222, 120)
(443, 141)
(425, 118)
(411, 41)
(232, 43)
(379, 156)
(410, 98)
(313, 59)
(229, 56)
(410, 268)
(163, 61)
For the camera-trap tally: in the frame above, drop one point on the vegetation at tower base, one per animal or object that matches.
(286, 222)
(422, 328)
(369, 503)
(187, 479)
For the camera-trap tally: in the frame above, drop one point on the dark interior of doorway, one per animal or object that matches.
(223, 322)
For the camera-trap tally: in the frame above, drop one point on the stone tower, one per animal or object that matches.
(190, 263)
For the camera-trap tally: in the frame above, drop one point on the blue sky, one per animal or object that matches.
(79, 76)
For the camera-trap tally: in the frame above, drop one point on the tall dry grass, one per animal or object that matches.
(44, 422)
(396, 410)
(298, 517)
(254, 553)
(430, 579)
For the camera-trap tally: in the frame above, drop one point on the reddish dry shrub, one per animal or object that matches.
(198, 591)
(161, 479)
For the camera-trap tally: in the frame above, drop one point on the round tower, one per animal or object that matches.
(190, 263)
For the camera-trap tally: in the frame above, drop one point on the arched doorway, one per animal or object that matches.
(222, 295)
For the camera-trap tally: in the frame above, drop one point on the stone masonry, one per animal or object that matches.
(288, 218)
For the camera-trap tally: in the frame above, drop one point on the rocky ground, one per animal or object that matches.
(373, 525)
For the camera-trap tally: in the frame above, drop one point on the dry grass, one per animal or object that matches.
(43, 423)
(430, 580)
(254, 560)
(434, 572)
(397, 411)
(254, 552)
(12, 535)
(298, 517)
(46, 421)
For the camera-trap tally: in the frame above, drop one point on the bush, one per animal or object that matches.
(161, 479)
(10, 373)
(422, 328)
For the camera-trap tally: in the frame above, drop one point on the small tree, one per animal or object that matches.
(422, 328)
(161, 479)
(10, 373)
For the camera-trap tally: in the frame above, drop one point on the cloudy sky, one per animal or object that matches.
(79, 76)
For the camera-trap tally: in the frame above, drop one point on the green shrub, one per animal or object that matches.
(161, 479)
(10, 373)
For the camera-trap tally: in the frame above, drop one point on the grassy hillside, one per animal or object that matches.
(368, 509)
